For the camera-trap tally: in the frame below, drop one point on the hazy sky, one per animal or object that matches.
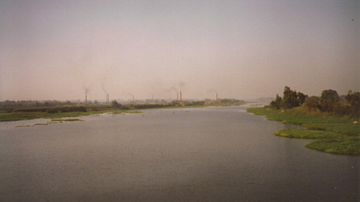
(240, 48)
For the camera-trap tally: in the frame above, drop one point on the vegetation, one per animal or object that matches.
(329, 101)
(38, 115)
(307, 134)
(333, 121)
(340, 135)
(52, 109)
(349, 146)
(290, 99)
(24, 110)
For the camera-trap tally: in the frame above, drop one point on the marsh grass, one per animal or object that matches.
(348, 145)
(338, 135)
(308, 134)
(45, 115)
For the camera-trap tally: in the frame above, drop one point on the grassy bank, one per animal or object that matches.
(337, 135)
(37, 115)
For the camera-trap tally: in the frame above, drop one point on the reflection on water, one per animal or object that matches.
(205, 154)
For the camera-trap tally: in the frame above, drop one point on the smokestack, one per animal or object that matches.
(177, 96)
(216, 96)
(133, 98)
(107, 98)
(180, 96)
(85, 96)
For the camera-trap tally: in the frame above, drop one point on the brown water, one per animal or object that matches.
(204, 154)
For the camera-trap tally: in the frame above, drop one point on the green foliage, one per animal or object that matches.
(301, 97)
(289, 100)
(348, 146)
(336, 134)
(115, 104)
(353, 100)
(330, 95)
(277, 103)
(307, 134)
(300, 116)
(329, 101)
(312, 102)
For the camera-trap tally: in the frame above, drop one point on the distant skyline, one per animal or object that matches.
(56, 50)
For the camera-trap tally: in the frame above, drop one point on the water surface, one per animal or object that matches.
(199, 154)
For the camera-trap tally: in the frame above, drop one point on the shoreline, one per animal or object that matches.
(19, 116)
(336, 135)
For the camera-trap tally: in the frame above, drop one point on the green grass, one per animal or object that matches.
(348, 145)
(38, 115)
(45, 115)
(308, 134)
(337, 135)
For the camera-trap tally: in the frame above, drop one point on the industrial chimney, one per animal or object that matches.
(85, 96)
(180, 96)
(216, 96)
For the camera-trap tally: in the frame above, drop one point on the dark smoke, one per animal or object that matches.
(102, 86)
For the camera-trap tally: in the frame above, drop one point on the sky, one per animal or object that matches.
(242, 49)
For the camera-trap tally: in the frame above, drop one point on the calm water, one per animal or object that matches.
(210, 154)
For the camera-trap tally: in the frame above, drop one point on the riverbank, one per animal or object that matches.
(338, 135)
(27, 115)
(38, 115)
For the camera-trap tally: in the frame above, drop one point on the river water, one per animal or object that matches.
(197, 154)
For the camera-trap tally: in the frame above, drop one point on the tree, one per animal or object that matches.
(276, 104)
(353, 99)
(301, 97)
(331, 95)
(115, 104)
(312, 102)
(328, 99)
(292, 98)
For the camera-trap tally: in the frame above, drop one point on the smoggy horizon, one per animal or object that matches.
(57, 50)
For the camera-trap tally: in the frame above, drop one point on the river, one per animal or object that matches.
(193, 154)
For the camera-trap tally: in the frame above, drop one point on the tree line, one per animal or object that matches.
(329, 101)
